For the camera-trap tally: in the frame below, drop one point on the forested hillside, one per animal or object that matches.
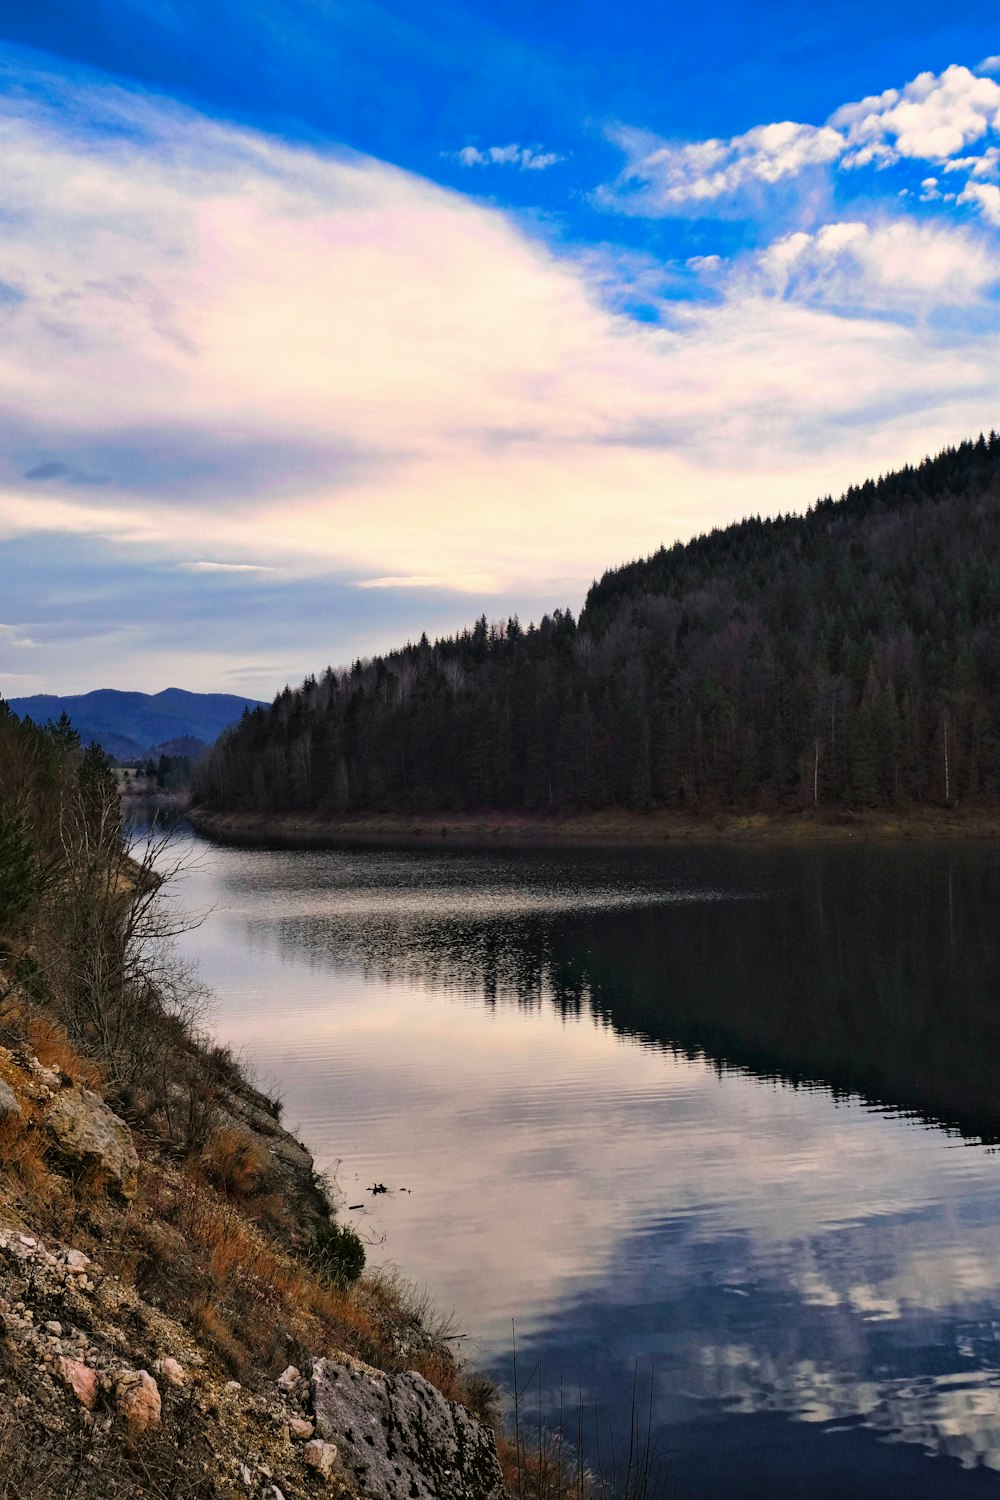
(846, 657)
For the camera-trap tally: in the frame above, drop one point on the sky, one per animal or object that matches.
(327, 322)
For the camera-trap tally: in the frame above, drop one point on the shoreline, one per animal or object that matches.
(614, 827)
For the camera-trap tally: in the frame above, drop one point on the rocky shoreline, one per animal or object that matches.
(103, 1382)
(595, 829)
(175, 1290)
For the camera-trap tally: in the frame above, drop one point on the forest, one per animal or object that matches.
(848, 657)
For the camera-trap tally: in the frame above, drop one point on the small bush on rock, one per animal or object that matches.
(236, 1162)
(336, 1252)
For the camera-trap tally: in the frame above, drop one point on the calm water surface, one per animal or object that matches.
(731, 1114)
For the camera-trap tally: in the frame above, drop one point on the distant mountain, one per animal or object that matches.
(848, 657)
(130, 725)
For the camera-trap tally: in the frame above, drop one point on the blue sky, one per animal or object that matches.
(327, 323)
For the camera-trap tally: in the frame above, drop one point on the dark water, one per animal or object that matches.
(729, 1114)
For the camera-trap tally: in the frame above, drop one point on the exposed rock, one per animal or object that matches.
(320, 1456)
(287, 1379)
(399, 1438)
(81, 1379)
(76, 1262)
(8, 1101)
(299, 1428)
(170, 1372)
(137, 1397)
(88, 1134)
(292, 1163)
(293, 1154)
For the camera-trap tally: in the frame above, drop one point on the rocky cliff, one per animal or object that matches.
(123, 1371)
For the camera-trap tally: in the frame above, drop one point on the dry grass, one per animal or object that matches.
(23, 1151)
(257, 1301)
(236, 1162)
(50, 1043)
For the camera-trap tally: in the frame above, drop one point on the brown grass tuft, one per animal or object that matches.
(51, 1045)
(236, 1162)
(23, 1149)
(211, 1324)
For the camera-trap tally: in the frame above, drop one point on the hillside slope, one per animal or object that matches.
(848, 657)
(179, 1314)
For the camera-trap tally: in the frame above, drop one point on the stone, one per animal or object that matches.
(300, 1429)
(320, 1456)
(54, 1328)
(398, 1438)
(137, 1397)
(76, 1261)
(89, 1134)
(288, 1379)
(170, 1372)
(81, 1379)
(8, 1101)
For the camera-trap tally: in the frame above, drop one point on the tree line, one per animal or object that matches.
(846, 657)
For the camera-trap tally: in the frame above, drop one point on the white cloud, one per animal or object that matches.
(989, 65)
(933, 117)
(987, 165)
(659, 176)
(892, 265)
(986, 197)
(224, 567)
(13, 635)
(526, 158)
(468, 583)
(442, 401)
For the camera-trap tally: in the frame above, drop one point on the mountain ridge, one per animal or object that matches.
(129, 725)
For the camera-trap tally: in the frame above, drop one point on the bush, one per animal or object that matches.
(336, 1252)
(18, 871)
(236, 1163)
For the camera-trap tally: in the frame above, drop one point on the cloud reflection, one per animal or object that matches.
(776, 1248)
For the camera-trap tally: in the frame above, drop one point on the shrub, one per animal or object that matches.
(19, 876)
(236, 1163)
(336, 1252)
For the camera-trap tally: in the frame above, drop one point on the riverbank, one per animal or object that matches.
(179, 1314)
(180, 1311)
(609, 827)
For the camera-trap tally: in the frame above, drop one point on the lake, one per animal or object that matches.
(720, 1120)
